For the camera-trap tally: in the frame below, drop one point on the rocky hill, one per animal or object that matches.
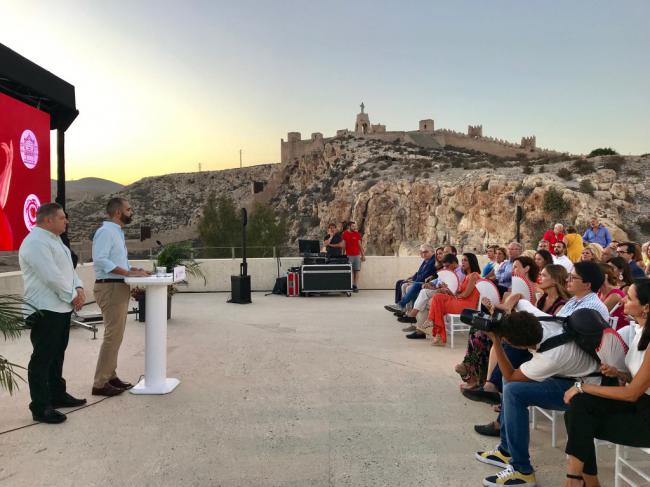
(84, 188)
(170, 204)
(403, 194)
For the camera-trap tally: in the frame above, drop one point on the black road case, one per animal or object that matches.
(326, 278)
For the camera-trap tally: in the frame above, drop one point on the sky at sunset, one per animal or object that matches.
(163, 85)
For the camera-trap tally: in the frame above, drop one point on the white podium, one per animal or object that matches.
(155, 362)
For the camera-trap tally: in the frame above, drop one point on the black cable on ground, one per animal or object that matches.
(69, 412)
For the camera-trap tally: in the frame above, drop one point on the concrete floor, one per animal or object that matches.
(315, 391)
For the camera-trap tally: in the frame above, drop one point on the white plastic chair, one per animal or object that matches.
(486, 289)
(622, 462)
(552, 416)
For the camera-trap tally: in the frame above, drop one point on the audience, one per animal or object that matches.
(591, 272)
(617, 414)
(574, 245)
(541, 380)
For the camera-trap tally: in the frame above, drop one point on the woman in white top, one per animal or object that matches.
(617, 414)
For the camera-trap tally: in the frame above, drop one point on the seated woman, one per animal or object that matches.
(592, 253)
(612, 296)
(624, 273)
(553, 280)
(492, 264)
(542, 259)
(446, 303)
(617, 414)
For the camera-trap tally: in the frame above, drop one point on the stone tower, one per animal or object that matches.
(362, 125)
(475, 130)
(529, 143)
(426, 125)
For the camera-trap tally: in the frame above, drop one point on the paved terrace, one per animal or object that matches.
(316, 391)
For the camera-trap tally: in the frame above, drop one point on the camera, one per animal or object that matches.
(481, 320)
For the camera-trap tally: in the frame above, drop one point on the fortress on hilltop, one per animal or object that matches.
(425, 136)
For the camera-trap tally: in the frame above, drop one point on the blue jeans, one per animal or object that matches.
(411, 295)
(517, 396)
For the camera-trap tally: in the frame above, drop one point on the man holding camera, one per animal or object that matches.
(541, 381)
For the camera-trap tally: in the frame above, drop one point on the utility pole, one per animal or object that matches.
(199, 167)
(240, 166)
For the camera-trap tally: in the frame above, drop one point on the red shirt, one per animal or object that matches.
(352, 242)
(552, 239)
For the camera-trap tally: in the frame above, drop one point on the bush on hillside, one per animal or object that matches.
(615, 163)
(582, 166)
(555, 204)
(586, 186)
(564, 173)
(603, 151)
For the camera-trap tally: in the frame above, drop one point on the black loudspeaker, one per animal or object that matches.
(241, 289)
(145, 233)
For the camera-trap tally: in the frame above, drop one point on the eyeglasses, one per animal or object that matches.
(621, 251)
(573, 277)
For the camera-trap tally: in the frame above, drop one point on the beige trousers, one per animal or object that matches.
(113, 299)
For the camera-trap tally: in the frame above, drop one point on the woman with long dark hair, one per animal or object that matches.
(617, 414)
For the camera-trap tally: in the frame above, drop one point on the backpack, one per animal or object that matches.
(584, 327)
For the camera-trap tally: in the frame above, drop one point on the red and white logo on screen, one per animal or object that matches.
(29, 149)
(29, 211)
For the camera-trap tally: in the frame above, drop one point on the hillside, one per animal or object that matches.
(402, 194)
(87, 188)
(170, 204)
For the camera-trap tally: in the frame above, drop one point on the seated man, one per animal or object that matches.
(541, 381)
(427, 269)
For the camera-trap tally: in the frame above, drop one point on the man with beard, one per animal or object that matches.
(112, 293)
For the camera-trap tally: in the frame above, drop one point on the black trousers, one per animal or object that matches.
(49, 336)
(589, 417)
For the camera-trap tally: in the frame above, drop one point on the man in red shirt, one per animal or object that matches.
(354, 251)
(554, 236)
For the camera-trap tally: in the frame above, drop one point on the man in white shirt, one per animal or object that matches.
(560, 257)
(112, 293)
(543, 380)
(52, 291)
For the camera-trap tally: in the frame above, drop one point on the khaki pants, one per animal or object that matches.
(113, 299)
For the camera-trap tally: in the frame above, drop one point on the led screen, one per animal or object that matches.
(24, 169)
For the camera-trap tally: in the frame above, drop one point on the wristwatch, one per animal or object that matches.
(578, 385)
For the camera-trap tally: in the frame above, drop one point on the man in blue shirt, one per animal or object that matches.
(597, 233)
(112, 293)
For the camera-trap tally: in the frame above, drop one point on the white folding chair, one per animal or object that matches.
(486, 289)
(552, 416)
(623, 462)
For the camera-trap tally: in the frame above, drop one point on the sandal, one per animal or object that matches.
(426, 328)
